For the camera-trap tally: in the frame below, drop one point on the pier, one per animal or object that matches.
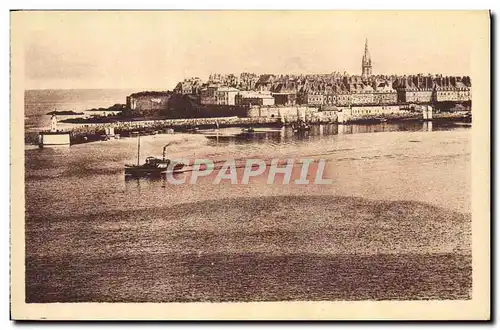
(91, 132)
(96, 132)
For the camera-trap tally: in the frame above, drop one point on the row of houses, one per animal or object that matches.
(336, 90)
(223, 95)
(418, 89)
(353, 92)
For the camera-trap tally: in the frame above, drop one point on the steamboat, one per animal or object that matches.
(153, 166)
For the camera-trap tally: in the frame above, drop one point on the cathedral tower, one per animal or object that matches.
(366, 63)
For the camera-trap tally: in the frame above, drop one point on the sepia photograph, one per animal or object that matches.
(250, 164)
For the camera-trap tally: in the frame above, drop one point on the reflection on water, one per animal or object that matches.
(55, 147)
(316, 132)
(147, 182)
(427, 126)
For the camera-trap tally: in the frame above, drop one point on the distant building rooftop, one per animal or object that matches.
(256, 94)
(227, 89)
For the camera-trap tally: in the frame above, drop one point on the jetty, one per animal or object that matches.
(131, 127)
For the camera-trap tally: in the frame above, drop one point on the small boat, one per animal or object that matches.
(468, 118)
(153, 167)
(301, 127)
(248, 130)
(167, 131)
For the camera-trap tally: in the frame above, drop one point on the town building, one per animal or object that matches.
(419, 89)
(208, 94)
(265, 82)
(414, 89)
(312, 97)
(226, 95)
(361, 93)
(251, 98)
(285, 98)
(188, 86)
(384, 93)
(337, 95)
(285, 93)
(247, 81)
(451, 89)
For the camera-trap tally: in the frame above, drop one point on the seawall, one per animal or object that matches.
(95, 132)
(274, 117)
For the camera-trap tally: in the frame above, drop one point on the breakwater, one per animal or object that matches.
(96, 132)
(409, 116)
(82, 133)
(89, 132)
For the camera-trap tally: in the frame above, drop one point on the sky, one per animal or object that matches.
(155, 50)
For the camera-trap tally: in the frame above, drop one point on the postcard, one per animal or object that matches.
(250, 165)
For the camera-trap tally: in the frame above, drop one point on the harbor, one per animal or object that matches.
(132, 230)
(84, 133)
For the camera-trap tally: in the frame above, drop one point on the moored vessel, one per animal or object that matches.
(301, 126)
(152, 167)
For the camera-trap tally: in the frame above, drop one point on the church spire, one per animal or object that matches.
(366, 62)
